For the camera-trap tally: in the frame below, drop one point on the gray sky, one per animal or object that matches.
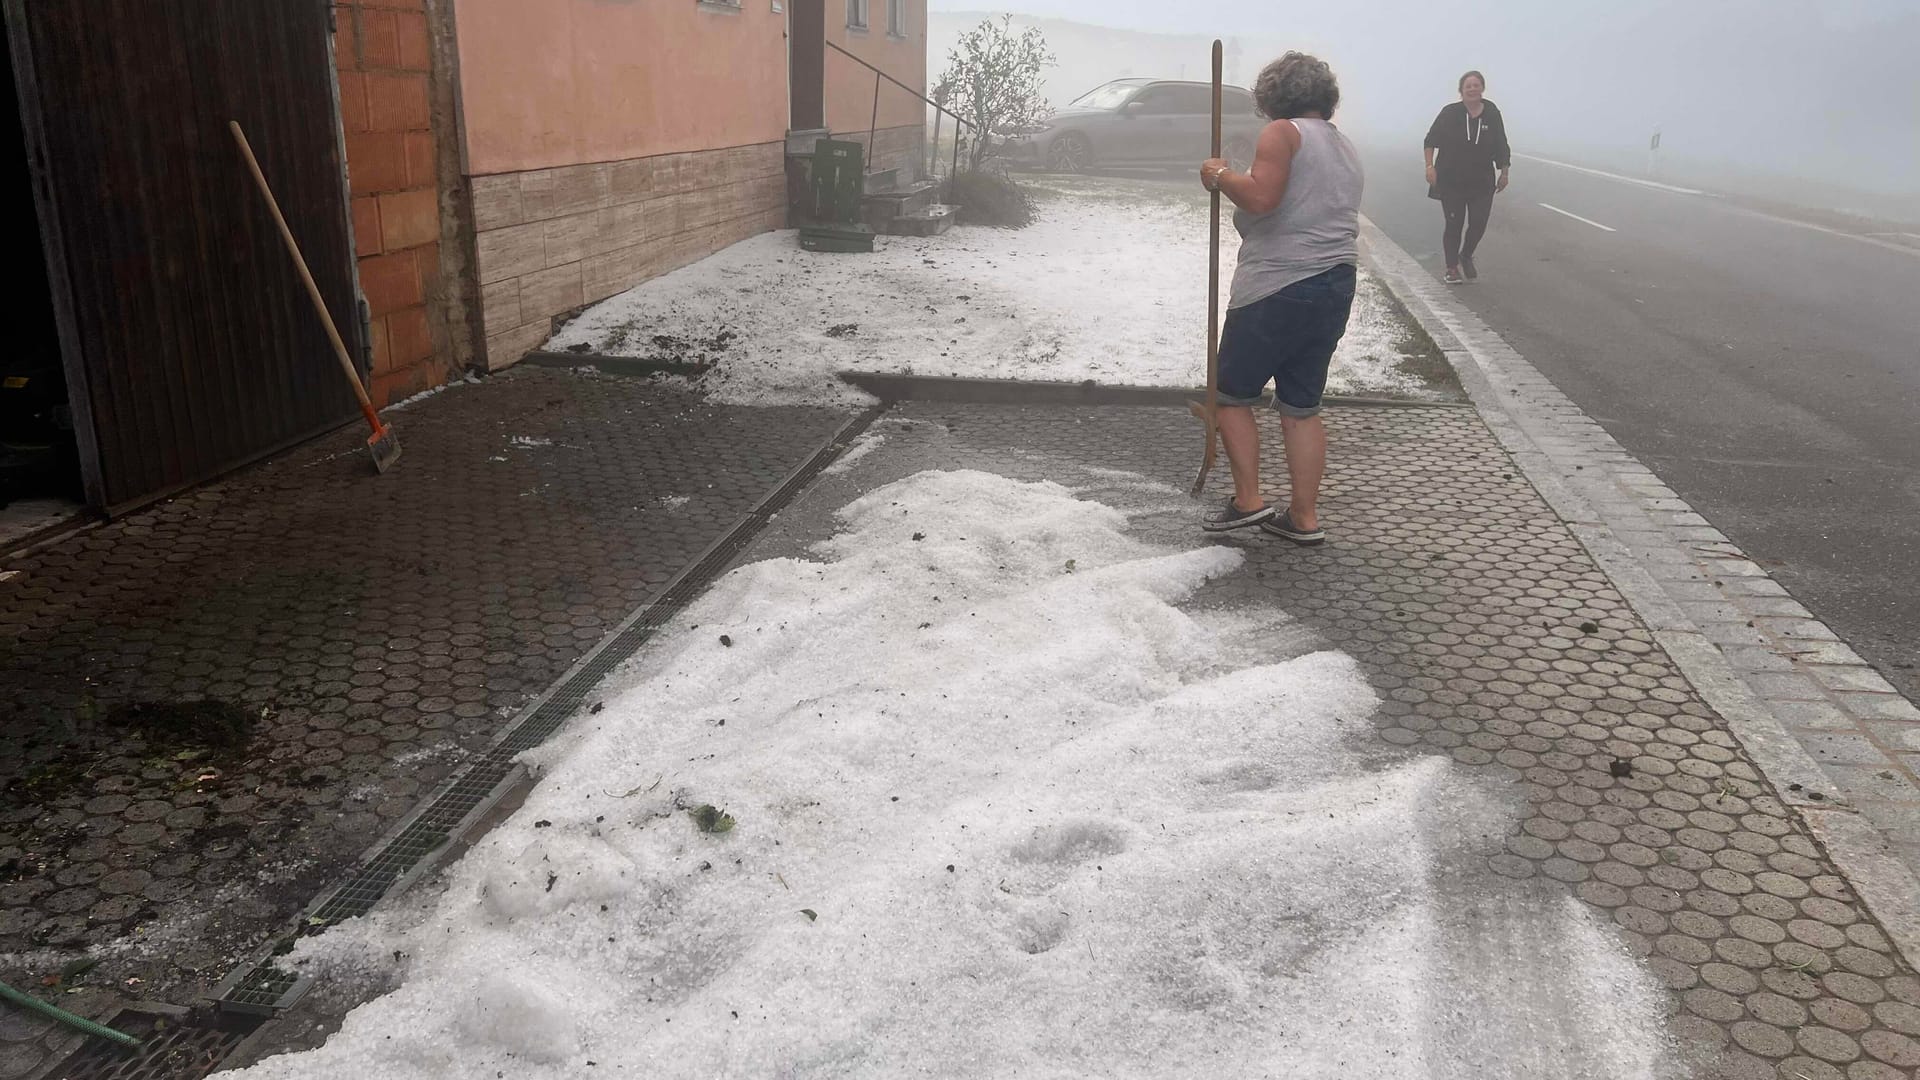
(1825, 90)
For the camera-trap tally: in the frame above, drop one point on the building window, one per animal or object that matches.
(857, 14)
(897, 18)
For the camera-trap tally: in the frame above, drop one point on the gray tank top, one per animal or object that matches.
(1315, 228)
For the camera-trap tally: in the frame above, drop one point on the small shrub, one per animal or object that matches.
(988, 197)
(993, 79)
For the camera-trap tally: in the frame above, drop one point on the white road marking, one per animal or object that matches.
(1676, 189)
(1866, 238)
(1577, 217)
(1876, 239)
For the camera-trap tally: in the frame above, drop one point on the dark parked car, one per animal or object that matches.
(1138, 122)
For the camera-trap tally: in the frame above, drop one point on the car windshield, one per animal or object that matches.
(1109, 96)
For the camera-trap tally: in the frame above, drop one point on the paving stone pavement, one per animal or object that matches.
(378, 629)
(1825, 720)
(1494, 639)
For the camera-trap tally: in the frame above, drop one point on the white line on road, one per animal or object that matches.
(1866, 238)
(1577, 217)
(1876, 239)
(1676, 189)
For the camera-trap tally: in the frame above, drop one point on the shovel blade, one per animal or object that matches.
(1206, 468)
(384, 445)
(1207, 419)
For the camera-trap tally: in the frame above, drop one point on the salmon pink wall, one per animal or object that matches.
(384, 55)
(849, 93)
(548, 83)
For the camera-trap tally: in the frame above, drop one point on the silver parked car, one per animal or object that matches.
(1130, 123)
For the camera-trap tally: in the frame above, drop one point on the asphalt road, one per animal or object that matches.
(1767, 370)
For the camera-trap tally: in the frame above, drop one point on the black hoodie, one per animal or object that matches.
(1470, 148)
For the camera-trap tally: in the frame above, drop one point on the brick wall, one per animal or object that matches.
(383, 52)
(552, 240)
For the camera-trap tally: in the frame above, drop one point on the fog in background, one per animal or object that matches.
(1809, 103)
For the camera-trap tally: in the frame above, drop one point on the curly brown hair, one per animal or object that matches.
(1297, 84)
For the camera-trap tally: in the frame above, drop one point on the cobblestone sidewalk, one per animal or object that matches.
(210, 707)
(1837, 736)
(1496, 640)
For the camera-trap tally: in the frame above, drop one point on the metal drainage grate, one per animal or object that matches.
(262, 990)
(265, 989)
(172, 1050)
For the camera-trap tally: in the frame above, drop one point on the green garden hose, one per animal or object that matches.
(28, 1001)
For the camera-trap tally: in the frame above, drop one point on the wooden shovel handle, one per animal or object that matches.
(306, 276)
(1213, 258)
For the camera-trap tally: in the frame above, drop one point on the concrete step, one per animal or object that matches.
(882, 180)
(800, 141)
(929, 220)
(880, 207)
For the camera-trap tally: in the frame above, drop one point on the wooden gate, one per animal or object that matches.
(189, 345)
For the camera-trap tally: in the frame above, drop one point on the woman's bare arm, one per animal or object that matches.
(1260, 189)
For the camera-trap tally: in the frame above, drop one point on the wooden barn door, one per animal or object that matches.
(190, 346)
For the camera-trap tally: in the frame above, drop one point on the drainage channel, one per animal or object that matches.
(466, 805)
(174, 1046)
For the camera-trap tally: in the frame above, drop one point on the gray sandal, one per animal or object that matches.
(1283, 527)
(1230, 517)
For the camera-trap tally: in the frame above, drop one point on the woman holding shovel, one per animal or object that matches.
(1299, 222)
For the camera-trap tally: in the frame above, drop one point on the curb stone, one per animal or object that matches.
(1755, 655)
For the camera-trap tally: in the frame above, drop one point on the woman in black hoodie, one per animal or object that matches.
(1471, 140)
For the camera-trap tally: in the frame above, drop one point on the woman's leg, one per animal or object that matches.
(1456, 212)
(1240, 436)
(1306, 448)
(1246, 366)
(1477, 210)
(1300, 386)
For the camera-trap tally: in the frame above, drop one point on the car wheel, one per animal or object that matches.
(1239, 154)
(1069, 152)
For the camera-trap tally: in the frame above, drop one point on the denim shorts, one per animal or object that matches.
(1286, 339)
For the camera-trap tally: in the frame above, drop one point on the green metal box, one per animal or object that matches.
(838, 181)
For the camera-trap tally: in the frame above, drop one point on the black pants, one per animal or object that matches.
(1470, 212)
